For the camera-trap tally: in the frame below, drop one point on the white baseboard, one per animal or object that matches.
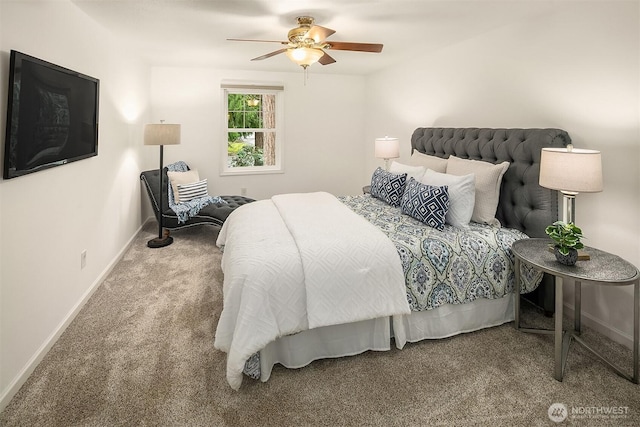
(600, 327)
(31, 365)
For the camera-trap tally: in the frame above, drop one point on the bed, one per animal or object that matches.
(291, 297)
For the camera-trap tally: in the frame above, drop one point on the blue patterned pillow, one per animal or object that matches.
(388, 186)
(426, 203)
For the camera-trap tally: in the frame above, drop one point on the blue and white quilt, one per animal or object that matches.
(452, 266)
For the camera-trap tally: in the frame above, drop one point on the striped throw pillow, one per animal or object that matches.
(192, 191)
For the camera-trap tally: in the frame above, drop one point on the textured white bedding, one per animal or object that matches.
(317, 264)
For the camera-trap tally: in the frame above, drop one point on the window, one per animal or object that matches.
(253, 133)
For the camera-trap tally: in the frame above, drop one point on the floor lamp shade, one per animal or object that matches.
(387, 148)
(571, 171)
(161, 134)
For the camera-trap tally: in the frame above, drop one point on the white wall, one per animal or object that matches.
(47, 218)
(575, 68)
(323, 135)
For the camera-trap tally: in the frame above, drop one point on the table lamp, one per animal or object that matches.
(387, 148)
(161, 134)
(571, 171)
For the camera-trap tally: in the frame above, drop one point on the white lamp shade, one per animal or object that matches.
(305, 56)
(161, 134)
(387, 148)
(571, 170)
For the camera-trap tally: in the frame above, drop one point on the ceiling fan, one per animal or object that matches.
(307, 43)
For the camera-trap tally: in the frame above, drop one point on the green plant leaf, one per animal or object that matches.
(565, 235)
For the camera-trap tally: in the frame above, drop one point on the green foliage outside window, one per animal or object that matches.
(243, 114)
(235, 147)
(247, 155)
(250, 129)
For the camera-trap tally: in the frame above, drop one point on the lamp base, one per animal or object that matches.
(161, 242)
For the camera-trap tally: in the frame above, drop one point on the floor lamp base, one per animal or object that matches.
(161, 242)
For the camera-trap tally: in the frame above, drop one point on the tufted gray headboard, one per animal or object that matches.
(523, 204)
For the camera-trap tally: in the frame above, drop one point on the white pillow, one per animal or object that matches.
(434, 163)
(462, 195)
(488, 180)
(415, 172)
(177, 178)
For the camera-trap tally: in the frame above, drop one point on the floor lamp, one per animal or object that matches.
(571, 171)
(161, 134)
(387, 148)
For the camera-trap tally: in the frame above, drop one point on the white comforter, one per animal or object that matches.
(297, 262)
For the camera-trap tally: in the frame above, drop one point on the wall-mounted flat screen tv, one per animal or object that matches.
(52, 116)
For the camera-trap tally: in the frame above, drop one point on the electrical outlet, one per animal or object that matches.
(83, 259)
(243, 191)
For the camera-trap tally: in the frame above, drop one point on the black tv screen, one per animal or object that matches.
(52, 116)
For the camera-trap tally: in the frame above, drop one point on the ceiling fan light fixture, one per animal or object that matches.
(305, 56)
(307, 44)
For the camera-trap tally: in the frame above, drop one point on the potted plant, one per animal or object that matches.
(567, 241)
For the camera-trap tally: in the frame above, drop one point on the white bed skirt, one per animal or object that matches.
(296, 351)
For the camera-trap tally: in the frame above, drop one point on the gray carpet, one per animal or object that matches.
(141, 353)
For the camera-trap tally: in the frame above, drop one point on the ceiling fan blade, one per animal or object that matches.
(326, 59)
(269, 55)
(360, 47)
(262, 41)
(319, 33)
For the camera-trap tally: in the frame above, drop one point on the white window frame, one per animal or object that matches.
(276, 90)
